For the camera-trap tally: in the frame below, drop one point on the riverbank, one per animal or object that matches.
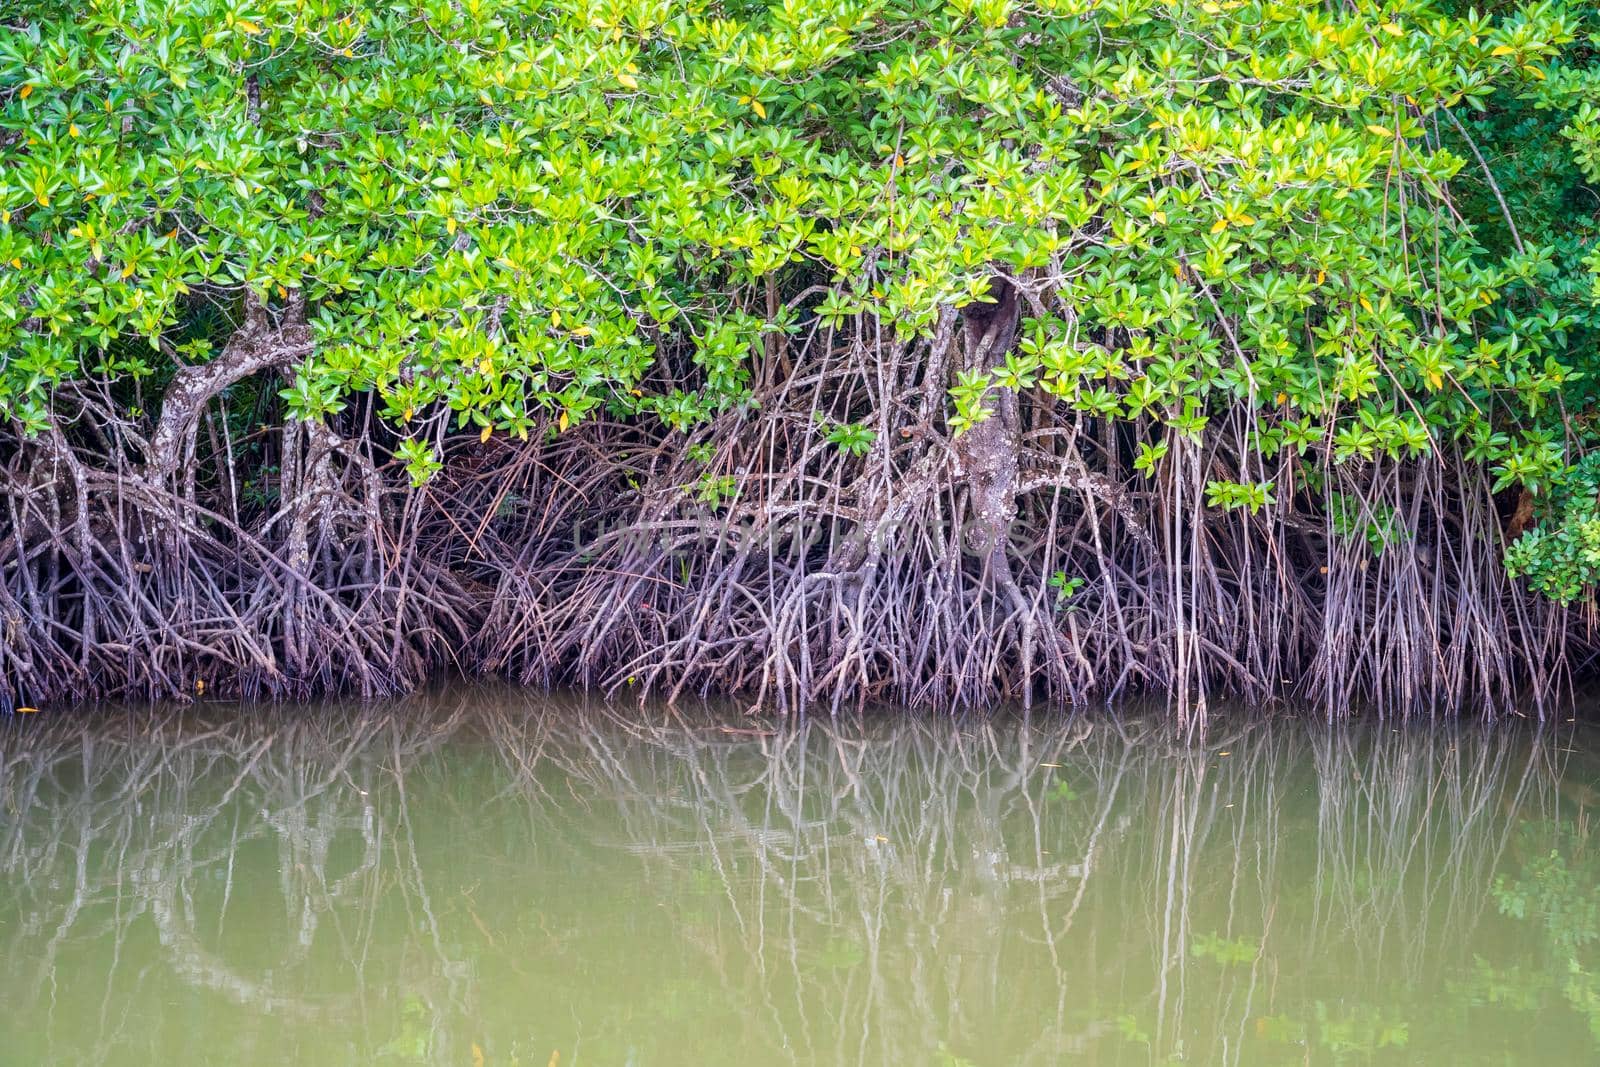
(809, 578)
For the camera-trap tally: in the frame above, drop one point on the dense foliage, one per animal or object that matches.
(507, 207)
(1271, 256)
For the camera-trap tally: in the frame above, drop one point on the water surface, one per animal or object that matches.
(496, 877)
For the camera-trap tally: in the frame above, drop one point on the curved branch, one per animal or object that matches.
(255, 347)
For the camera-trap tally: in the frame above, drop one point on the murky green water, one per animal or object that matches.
(499, 878)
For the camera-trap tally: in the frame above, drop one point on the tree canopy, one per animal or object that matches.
(506, 207)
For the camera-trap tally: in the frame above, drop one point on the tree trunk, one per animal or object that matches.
(988, 452)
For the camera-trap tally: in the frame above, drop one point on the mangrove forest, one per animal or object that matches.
(813, 353)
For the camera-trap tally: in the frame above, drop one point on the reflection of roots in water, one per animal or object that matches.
(131, 817)
(848, 830)
(930, 854)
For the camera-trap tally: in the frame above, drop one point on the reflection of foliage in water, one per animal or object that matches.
(1559, 892)
(1348, 1033)
(1226, 950)
(411, 1043)
(1516, 988)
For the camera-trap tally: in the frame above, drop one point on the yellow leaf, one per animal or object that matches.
(449, 225)
(1392, 29)
(199, 686)
(1536, 72)
(627, 81)
(347, 53)
(1158, 216)
(127, 270)
(563, 421)
(485, 367)
(283, 294)
(477, 1055)
(1380, 131)
(72, 129)
(5, 216)
(248, 27)
(484, 436)
(1245, 220)
(1434, 380)
(44, 199)
(24, 92)
(1502, 50)
(1219, 225)
(582, 331)
(172, 234)
(27, 711)
(755, 105)
(405, 416)
(1281, 398)
(1177, 270)
(17, 262)
(1367, 304)
(308, 257)
(1322, 276)
(555, 318)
